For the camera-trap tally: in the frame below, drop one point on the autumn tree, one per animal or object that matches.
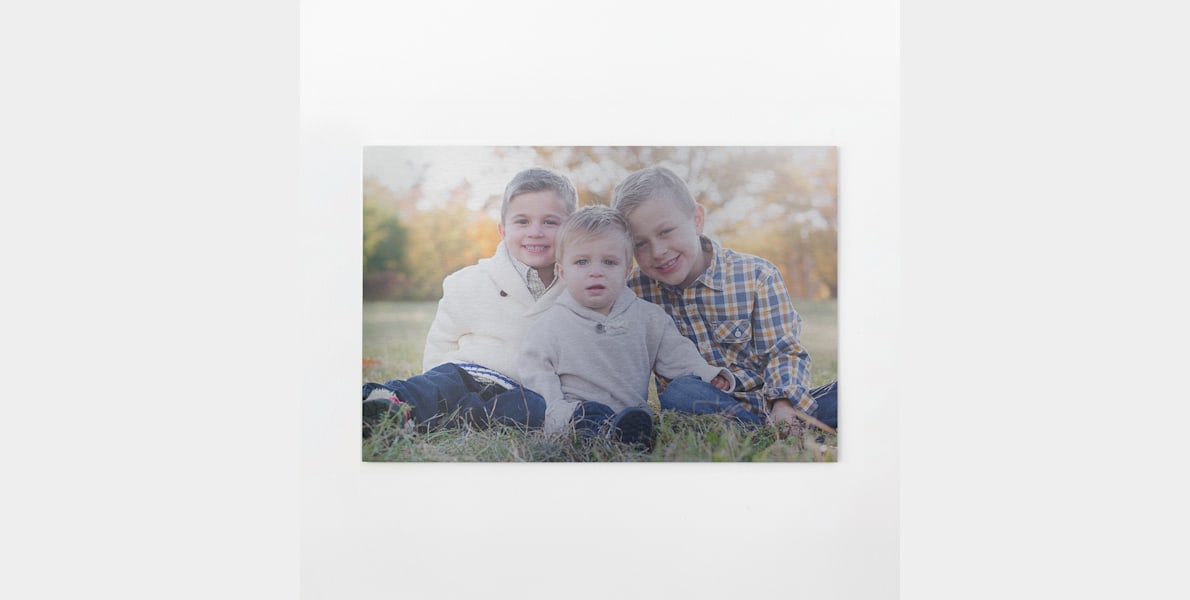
(443, 240)
(384, 243)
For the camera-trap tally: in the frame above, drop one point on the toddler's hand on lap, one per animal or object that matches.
(720, 382)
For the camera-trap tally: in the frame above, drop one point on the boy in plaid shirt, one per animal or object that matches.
(733, 306)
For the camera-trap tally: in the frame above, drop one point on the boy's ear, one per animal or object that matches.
(699, 212)
(558, 271)
(500, 228)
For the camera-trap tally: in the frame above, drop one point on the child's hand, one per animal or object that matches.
(788, 419)
(720, 382)
(783, 415)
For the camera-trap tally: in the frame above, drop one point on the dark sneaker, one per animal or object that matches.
(377, 408)
(633, 426)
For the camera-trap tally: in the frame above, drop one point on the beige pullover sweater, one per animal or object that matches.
(573, 353)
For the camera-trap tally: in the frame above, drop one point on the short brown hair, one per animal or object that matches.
(537, 179)
(654, 182)
(592, 221)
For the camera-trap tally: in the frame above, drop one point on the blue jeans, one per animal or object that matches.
(692, 395)
(447, 396)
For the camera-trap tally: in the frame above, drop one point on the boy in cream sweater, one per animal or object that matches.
(470, 355)
(592, 353)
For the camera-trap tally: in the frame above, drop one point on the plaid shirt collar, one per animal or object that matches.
(714, 277)
(532, 279)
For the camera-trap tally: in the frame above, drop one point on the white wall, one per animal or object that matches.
(676, 73)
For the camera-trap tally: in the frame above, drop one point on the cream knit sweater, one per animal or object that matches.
(485, 311)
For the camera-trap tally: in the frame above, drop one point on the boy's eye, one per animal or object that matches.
(665, 232)
(639, 244)
(610, 262)
(581, 262)
(552, 222)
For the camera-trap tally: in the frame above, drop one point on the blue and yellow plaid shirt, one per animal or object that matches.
(739, 315)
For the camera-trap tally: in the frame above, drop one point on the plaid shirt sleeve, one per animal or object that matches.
(776, 335)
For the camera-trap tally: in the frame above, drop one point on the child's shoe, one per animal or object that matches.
(378, 407)
(633, 426)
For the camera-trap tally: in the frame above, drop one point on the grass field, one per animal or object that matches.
(394, 334)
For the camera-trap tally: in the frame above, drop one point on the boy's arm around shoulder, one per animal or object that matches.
(538, 369)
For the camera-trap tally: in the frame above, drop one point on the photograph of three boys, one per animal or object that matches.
(600, 303)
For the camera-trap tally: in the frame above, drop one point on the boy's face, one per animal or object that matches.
(529, 227)
(595, 270)
(666, 242)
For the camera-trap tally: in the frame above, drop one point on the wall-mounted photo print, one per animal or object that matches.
(578, 304)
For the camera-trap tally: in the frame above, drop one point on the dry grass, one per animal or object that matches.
(394, 333)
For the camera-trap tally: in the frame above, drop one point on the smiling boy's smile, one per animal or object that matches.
(529, 228)
(668, 267)
(667, 244)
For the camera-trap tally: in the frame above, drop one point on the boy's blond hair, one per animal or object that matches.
(654, 182)
(593, 221)
(536, 179)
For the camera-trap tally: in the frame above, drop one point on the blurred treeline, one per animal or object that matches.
(780, 203)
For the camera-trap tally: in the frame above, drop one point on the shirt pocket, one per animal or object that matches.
(733, 332)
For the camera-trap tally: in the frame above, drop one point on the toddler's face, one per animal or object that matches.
(530, 224)
(666, 242)
(595, 270)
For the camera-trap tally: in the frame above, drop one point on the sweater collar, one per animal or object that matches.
(499, 267)
(623, 301)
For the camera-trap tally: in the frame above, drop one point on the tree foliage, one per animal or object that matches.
(407, 252)
(444, 240)
(779, 203)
